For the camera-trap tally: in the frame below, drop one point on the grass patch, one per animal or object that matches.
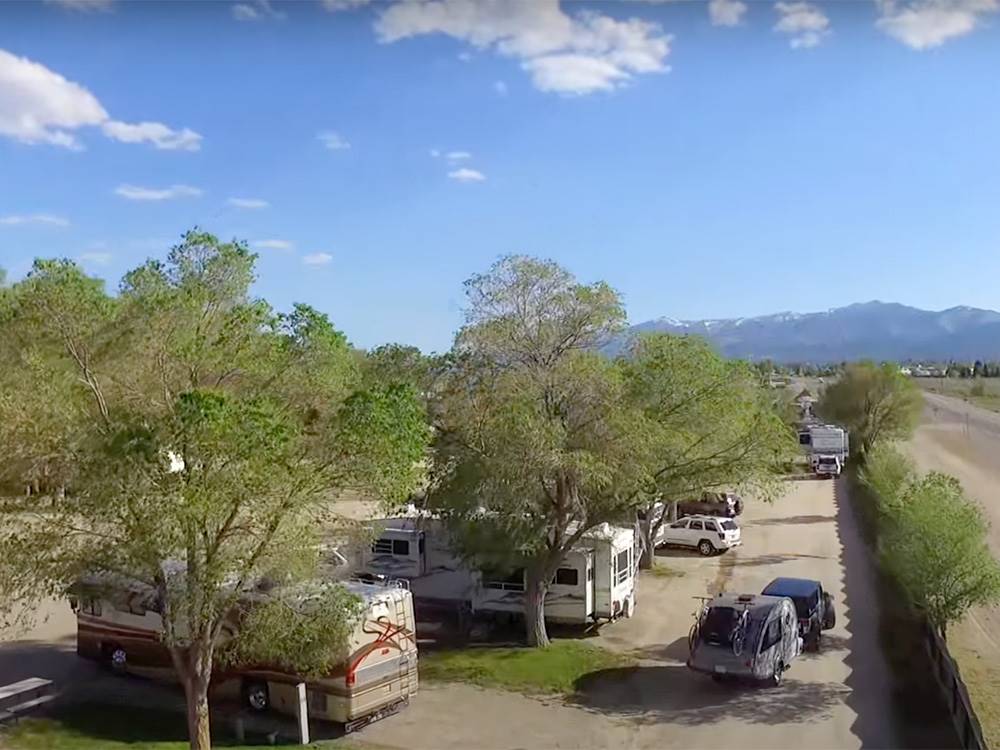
(526, 670)
(664, 571)
(983, 392)
(981, 675)
(105, 727)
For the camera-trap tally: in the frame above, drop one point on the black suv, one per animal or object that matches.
(813, 606)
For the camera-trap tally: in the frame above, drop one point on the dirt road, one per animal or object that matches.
(839, 698)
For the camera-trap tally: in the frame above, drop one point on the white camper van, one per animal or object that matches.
(595, 582)
(118, 625)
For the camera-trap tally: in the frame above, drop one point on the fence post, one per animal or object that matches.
(302, 713)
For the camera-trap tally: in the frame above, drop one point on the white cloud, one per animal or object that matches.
(435, 153)
(155, 133)
(49, 219)
(98, 258)
(805, 23)
(83, 5)
(568, 54)
(335, 5)
(500, 87)
(37, 105)
(467, 175)
(925, 24)
(465, 56)
(457, 155)
(256, 10)
(248, 203)
(726, 12)
(274, 244)
(136, 193)
(317, 259)
(333, 141)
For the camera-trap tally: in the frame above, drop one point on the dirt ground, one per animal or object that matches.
(838, 698)
(964, 440)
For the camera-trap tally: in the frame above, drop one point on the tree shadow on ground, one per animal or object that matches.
(673, 652)
(805, 519)
(775, 559)
(676, 695)
(829, 642)
(51, 660)
(665, 551)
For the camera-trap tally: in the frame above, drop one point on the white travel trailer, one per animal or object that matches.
(595, 582)
(117, 624)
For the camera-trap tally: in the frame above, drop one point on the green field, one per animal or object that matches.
(983, 392)
(552, 670)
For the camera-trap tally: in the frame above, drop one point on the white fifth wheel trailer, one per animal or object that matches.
(595, 582)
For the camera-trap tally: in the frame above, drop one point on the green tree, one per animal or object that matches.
(709, 423)
(875, 402)
(934, 545)
(535, 444)
(211, 435)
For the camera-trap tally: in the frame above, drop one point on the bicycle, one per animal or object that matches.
(741, 631)
(699, 620)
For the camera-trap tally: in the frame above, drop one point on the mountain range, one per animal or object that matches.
(875, 330)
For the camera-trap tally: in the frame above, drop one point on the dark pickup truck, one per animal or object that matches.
(813, 606)
(726, 504)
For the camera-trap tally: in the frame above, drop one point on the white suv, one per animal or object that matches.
(707, 534)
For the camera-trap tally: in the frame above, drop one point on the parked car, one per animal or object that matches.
(745, 636)
(712, 504)
(707, 534)
(813, 606)
(827, 466)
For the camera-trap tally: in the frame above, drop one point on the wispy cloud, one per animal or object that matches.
(38, 105)
(333, 140)
(248, 203)
(274, 244)
(500, 87)
(806, 24)
(83, 5)
(257, 10)
(466, 175)
(567, 53)
(457, 155)
(12, 220)
(726, 12)
(137, 193)
(925, 24)
(317, 259)
(97, 258)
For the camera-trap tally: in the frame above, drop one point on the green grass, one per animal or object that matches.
(526, 670)
(105, 727)
(664, 571)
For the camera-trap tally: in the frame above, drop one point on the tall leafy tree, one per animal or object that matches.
(211, 434)
(875, 402)
(535, 442)
(710, 423)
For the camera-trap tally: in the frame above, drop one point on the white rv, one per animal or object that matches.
(827, 440)
(117, 624)
(595, 582)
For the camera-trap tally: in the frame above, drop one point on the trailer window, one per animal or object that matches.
(382, 546)
(91, 607)
(621, 567)
(590, 574)
(805, 438)
(401, 547)
(391, 547)
(514, 581)
(772, 634)
(566, 577)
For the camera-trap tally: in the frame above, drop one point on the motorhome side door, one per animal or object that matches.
(591, 584)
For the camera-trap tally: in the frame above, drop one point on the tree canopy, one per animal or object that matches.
(192, 429)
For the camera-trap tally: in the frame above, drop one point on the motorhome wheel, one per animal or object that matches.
(119, 659)
(255, 696)
(775, 680)
(705, 547)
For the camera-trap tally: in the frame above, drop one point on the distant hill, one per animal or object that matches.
(876, 330)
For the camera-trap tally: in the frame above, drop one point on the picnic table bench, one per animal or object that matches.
(21, 697)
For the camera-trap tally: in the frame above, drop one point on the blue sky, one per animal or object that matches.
(707, 160)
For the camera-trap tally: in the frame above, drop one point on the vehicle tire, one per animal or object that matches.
(255, 696)
(829, 612)
(706, 548)
(117, 658)
(718, 678)
(775, 679)
(812, 637)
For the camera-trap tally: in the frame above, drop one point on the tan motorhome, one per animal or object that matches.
(117, 626)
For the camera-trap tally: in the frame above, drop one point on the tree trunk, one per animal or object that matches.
(534, 609)
(199, 726)
(646, 530)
